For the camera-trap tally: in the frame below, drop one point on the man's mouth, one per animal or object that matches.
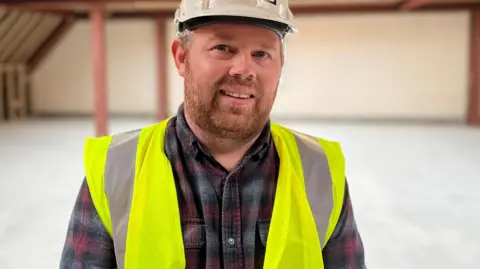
(237, 94)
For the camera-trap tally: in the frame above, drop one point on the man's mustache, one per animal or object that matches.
(236, 81)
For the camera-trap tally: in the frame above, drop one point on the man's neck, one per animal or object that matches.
(228, 153)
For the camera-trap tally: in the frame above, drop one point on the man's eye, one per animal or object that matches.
(223, 48)
(260, 54)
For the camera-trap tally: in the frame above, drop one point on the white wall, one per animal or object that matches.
(64, 81)
(354, 66)
(410, 65)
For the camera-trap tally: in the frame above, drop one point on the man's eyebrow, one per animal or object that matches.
(225, 36)
(267, 45)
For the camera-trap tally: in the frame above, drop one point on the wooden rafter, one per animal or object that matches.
(50, 42)
(153, 8)
(414, 4)
(96, 2)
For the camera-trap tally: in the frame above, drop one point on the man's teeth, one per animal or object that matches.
(237, 95)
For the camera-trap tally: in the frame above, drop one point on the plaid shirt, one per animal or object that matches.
(225, 215)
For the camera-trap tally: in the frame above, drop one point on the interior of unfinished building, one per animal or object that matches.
(396, 82)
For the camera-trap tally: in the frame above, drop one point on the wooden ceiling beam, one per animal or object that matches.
(414, 4)
(344, 8)
(81, 7)
(49, 43)
(96, 2)
(411, 5)
(128, 15)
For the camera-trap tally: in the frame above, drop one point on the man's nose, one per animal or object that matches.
(242, 66)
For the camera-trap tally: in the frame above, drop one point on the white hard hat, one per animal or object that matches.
(273, 14)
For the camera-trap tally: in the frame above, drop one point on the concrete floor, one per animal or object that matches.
(415, 190)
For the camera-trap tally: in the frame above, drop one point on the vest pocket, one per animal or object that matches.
(194, 242)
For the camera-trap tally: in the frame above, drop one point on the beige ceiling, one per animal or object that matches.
(342, 2)
(172, 5)
(163, 5)
(23, 28)
(22, 33)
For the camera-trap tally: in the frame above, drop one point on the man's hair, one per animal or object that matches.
(186, 37)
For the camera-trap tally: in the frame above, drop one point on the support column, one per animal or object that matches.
(97, 16)
(162, 66)
(473, 117)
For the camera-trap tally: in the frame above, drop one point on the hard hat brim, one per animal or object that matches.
(279, 28)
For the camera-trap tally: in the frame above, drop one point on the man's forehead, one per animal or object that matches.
(222, 34)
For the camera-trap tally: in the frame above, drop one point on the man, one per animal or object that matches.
(218, 185)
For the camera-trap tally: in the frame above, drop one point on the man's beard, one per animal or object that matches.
(235, 123)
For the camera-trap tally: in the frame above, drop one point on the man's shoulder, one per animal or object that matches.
(127, 135)
(304, 135)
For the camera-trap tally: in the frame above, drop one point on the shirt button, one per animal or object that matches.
(231, 241)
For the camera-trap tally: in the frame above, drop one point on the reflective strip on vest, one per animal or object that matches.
(119, 178)
(318, 182)
(120, 175)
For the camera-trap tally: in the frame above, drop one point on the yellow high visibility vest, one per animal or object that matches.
(132, 187)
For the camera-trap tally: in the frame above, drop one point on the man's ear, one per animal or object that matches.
(178, 56)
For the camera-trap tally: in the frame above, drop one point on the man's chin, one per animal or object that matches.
(235, 125)
(233, 117)
(237, 110)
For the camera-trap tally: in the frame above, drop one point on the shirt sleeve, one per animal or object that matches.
(345, 248)
(87, 243)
